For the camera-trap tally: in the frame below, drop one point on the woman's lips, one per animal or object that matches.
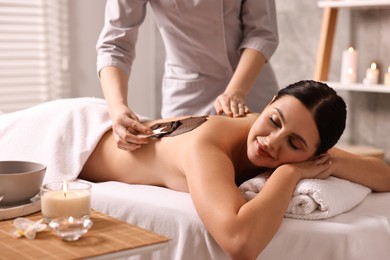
(261, 151)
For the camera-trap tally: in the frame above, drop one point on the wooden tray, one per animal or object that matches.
(107, 235)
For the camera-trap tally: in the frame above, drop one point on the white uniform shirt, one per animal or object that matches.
(203, 41)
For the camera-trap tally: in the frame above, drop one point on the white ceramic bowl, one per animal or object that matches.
(20, 181)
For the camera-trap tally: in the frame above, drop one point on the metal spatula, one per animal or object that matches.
(156, 132)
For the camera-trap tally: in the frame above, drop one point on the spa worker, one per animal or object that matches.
(216, 61)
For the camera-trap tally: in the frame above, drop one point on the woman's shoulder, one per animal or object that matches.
(223, 128)
(245, 121)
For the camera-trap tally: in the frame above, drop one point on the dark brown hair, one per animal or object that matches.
(328, 109)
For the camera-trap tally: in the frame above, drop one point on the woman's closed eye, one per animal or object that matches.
(275, 121)
(292, 144)
(296, 142)
(293, 141)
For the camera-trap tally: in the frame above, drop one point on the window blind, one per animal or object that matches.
(33, 52)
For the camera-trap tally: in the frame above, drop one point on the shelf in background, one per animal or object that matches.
(353, 3)
(359, 87)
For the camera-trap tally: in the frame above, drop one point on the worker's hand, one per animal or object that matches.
(231, 105)
(126, 127)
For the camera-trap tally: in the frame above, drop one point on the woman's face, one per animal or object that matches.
(285, 132)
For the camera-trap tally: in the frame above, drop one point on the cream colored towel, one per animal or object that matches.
(314, 198)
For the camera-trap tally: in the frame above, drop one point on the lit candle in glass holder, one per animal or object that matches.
(65, 199)
(70, 228)
(386, 80)
(372, 75)
(349, 66)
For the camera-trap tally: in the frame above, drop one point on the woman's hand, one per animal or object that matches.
(232, 105)
(316, 168)
(126, 126)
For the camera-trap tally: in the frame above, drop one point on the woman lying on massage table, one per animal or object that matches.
(292, 135)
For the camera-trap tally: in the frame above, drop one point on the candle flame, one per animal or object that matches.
(71, 220)
(388, 69)
(65, 187)
(350, 71)
(351, 49)
(373, 66)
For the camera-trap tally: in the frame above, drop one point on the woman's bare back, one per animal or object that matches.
(160, 162)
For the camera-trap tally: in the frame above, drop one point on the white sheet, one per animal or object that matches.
(362, 233)
(163, 211)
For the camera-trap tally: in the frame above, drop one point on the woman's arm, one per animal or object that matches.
(242, 229)
(366, 170)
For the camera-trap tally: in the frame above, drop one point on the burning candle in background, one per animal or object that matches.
(64, 199)
(386, 80)
(372, 75)
(350, 77)
(349, 66)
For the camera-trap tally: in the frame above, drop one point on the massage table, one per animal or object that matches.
(360, 234)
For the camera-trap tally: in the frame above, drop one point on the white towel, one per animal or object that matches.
(314, 198)
(60, 134)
